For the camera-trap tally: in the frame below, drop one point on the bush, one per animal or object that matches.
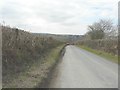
(107, 45)
(21, 49)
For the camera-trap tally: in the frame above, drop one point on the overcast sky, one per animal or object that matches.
(57, 16)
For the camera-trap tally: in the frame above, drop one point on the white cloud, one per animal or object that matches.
(56, 16)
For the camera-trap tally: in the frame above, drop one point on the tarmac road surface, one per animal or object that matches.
(82, 69)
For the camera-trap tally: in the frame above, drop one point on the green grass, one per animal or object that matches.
(103, 54)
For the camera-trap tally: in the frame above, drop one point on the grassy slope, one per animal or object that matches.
(38, 72)
(102, 54)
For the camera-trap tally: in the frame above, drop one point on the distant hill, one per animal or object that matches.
(64, 38)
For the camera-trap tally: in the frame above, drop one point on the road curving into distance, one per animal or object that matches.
(82, 69)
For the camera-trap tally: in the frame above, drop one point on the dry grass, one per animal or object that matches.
(37, 73)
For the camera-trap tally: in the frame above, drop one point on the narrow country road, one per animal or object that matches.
(82, 69)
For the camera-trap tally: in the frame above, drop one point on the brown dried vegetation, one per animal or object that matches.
(20, 49)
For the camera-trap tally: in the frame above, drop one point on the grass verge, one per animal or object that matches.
(103, 54)
(38, 72)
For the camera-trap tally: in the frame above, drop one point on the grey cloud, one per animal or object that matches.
(67, 14)
(55, 16)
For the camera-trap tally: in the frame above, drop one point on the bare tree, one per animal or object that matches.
(101, 29)
(96, 31)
